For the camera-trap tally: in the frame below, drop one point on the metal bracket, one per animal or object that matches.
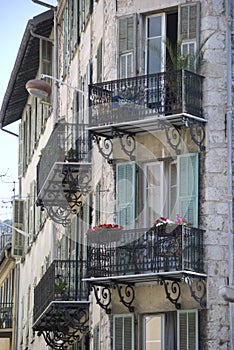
(127, 297)
(105, 299)
(173, 291)
(197, 132)
(197, 288)
(60, 334)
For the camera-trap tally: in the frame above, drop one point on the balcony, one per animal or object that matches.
(171, 253)
(64, 172)
(5, 242)
(6, 320)
(147, 103)
(61, 303)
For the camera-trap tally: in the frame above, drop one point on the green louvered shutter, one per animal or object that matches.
(187, 329)
(123, 332)
(189, 29)
(127, 29)
(188, 187)
(65, 41)
(125, 194)
(96, 337)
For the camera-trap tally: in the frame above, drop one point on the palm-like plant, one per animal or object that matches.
(177, 59)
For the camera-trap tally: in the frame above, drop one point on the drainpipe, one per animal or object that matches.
(227, 292)
(230, 156)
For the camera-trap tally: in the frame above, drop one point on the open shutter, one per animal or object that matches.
(96, 337)
(125, 194)
(99, 62)
(127, 30)
(123, 332)
(188, 187)
(187, 329)
(18, 239)
(189, 29)
(65, 41)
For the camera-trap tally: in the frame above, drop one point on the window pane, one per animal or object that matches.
(153, 333)
(154, 26)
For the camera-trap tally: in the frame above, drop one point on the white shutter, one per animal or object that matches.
(187, 329)
(123, 332)
(18, 239)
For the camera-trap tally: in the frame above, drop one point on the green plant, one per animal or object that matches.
(60, 286)
(177, 59)
(72, 153)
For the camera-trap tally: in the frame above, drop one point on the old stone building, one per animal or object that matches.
(125, 169)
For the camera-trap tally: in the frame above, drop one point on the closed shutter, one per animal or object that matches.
(127, 34)
(188, 187)
(18, 239)
(76, 23)
(189, 29)
(125, 194)
(65, 41)
(99, 62)
(187, 329)
(21, 150)
(96, 338)
(123, 332)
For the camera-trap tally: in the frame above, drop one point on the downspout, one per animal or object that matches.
(230, 156)
(227, 291)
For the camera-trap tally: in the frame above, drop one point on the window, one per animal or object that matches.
(171, 187)
(123, 332)
(155, 36)
(127, 30)
(160, 183)
(125, 194)
(153, 332)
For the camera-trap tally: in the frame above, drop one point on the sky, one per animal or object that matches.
(14, 16)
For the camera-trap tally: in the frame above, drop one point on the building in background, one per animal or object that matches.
(122, 233)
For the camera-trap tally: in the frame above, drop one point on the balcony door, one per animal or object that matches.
(155, 44)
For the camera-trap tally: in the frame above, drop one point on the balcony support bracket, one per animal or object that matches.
(197, 288)
(105, 143)
(59, 334)
(173, 291)
(126, 295)
(103, 296)
(197, 132)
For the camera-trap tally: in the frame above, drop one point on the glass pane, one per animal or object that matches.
(153, 193)
(154, 26)
(153, 333)
(154, 61)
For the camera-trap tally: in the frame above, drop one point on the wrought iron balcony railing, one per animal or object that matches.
(67, 143)
(5, 238)
(6, 315)
(156, 95)
(61, 282)
(140, 251)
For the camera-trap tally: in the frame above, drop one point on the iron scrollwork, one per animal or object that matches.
(61, 335)
(173, 291)
(197, 132)
(104, 300)
(197, 288)
(126, 295)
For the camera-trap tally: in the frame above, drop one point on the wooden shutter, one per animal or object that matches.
(188, 187)
(123, 332)
(99, 62)
(76, 38)
(96, 337)
(21, 150)
(127, 34)
(189, 30)
(187, 329)
(65, 41)
(125, 194)
(18, 239)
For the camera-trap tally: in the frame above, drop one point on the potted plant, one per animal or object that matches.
(60, 288)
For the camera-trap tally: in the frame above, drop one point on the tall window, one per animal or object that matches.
(155, 48)
(127, 31)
